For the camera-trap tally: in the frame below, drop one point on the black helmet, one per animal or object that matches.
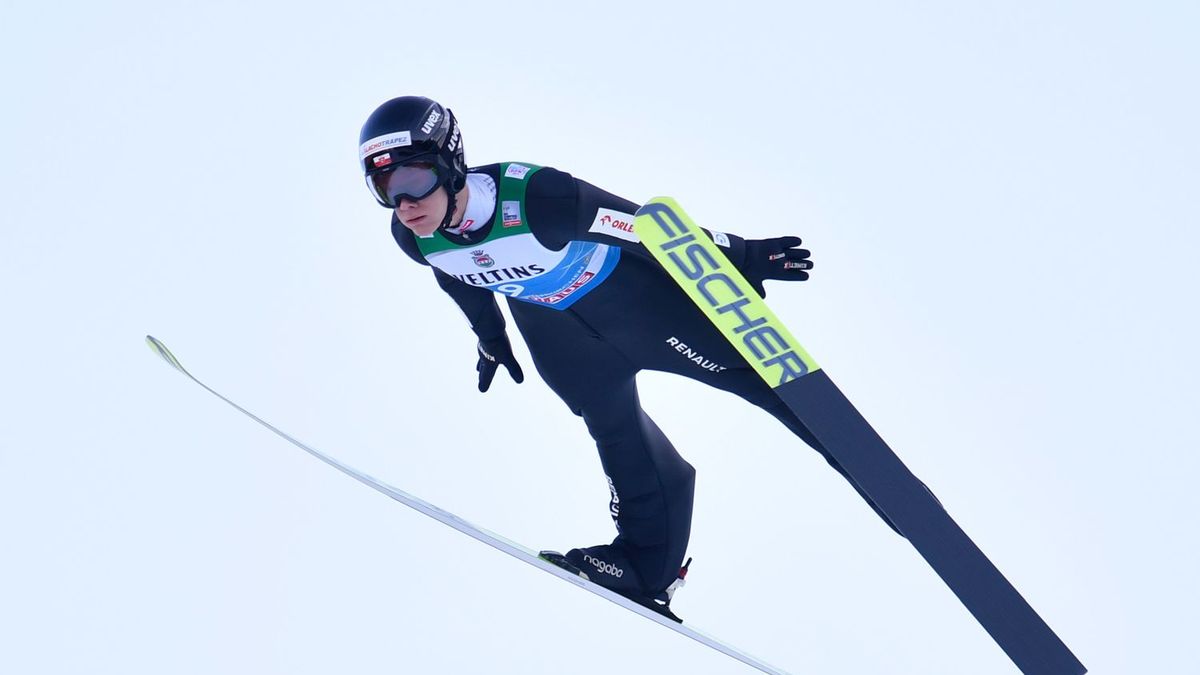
(412, 130)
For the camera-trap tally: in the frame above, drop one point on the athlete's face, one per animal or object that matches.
(423, 216)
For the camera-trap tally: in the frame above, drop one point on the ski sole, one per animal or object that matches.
(488, 537)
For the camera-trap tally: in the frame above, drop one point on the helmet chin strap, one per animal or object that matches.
(452, 185)
(452, 200)
(451, 206)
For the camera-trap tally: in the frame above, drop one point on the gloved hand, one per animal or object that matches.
(775, 259)
(494, 353)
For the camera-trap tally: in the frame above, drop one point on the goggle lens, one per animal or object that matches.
(414, 181)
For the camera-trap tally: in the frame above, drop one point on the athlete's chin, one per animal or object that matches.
(422, 226)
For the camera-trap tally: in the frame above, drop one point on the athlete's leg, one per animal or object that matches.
(652, 486)
(659, 328)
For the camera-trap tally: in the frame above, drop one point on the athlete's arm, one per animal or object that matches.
(563, 208)
(567, 208)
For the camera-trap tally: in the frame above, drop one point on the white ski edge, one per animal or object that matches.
(486, 536)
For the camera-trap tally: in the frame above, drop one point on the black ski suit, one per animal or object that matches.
(635, 318)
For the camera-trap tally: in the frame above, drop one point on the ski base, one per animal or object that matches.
(492, 539)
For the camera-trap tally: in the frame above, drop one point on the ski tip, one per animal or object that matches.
(159, 348)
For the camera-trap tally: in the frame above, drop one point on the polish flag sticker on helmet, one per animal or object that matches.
(516, 171)
(614, 224)
(383, 160)
(381, 143)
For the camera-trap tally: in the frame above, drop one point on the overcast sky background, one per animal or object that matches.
(1001, 200)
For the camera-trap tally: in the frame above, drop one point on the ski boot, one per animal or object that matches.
(617, 579)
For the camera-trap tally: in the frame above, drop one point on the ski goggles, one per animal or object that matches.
(414, 180)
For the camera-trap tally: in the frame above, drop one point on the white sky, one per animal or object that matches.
(1001, 200)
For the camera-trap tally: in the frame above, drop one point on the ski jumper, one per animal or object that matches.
(595, 308)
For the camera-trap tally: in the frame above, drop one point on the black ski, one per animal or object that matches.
(731, 304)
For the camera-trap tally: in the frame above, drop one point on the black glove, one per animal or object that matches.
(494, 353)
(775, 259)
